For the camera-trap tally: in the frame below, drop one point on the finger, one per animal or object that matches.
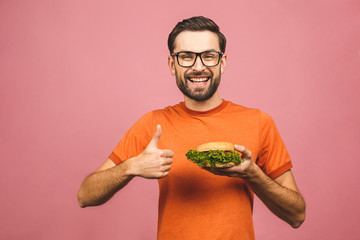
(164, 174)
(243, 150)
(155, 140)
(166, 161)
(166, 168)
(167, 154)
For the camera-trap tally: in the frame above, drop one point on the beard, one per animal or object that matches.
(198, 94)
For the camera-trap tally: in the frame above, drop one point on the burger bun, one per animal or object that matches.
(225, 146)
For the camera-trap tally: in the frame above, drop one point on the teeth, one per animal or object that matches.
(198, 79)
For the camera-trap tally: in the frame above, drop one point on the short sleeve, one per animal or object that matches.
(135, 140)
(273, 157)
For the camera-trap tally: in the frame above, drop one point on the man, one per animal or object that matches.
(202, 203)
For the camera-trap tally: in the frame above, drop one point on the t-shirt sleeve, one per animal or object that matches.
(273, 157)
(135, 140)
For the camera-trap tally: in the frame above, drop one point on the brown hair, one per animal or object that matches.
(196, 24)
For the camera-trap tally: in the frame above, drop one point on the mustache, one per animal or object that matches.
(197, 74)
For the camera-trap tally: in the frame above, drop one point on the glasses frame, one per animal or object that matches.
(196, 57)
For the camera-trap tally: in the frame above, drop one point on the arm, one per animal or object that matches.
(281, 195)
(100, 186)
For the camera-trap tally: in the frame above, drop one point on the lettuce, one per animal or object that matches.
(213, 157)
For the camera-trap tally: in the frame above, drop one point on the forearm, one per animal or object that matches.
(285, 203)
(152, 163)
(99, 187)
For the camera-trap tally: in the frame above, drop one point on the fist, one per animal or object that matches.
(153, 162)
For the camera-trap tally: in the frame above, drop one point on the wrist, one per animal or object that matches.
(251, 172)
(129, 167)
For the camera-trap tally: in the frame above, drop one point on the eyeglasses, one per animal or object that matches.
(188, 59)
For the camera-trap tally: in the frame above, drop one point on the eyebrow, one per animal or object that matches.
(212, 49)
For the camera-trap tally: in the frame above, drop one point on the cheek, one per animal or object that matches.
(176, 73)
(180, 73)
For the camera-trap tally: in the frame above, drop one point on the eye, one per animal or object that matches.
(186, 56)
(209, 56)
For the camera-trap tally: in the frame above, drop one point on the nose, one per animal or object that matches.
(198, 65)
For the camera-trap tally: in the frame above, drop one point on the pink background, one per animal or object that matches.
(75, 75)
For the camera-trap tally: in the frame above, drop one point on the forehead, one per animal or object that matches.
(196, 41)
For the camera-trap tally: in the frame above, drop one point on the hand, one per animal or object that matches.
(242, 170)
(152, 162)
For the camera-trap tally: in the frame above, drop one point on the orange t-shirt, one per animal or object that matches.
(193, 203)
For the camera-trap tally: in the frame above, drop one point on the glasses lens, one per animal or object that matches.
(186, 59)
(210, 59)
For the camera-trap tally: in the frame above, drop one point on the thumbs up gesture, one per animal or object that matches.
(152, 162)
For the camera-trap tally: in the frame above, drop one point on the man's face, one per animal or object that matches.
(197, 82)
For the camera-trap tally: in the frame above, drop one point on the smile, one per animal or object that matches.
(198, 79)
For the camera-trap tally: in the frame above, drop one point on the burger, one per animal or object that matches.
(215, 154)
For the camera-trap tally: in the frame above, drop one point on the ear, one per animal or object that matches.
(223, 63)
(171, 64)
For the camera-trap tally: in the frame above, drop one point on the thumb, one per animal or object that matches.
(155, 140)
(244, 151)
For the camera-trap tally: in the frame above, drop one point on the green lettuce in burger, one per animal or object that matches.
(215, 154)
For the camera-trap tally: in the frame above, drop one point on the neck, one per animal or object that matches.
(203, 106)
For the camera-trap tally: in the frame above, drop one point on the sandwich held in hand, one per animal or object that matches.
(215, 154)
